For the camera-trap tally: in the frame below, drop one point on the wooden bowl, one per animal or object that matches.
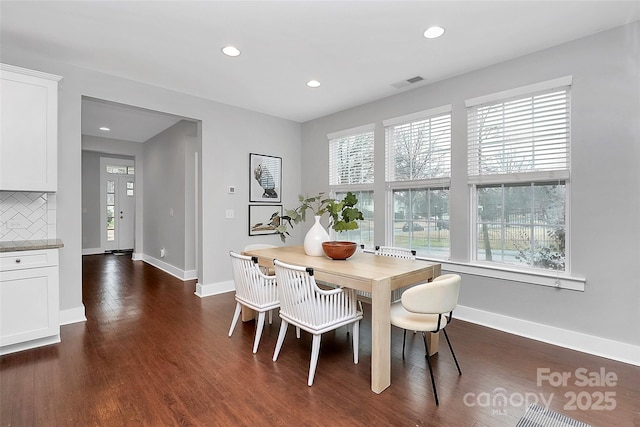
(339, 250)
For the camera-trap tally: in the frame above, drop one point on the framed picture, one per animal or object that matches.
(263, 219)
(265, 178)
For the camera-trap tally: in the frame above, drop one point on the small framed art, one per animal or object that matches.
(263, 219)
(265, 178)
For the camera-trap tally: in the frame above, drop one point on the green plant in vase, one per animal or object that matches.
(343, 214)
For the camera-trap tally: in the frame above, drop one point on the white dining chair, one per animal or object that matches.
(428, 308)
(315, 310)
(254, 290)
(396, 252)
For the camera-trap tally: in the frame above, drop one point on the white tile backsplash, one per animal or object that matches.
(32, 216)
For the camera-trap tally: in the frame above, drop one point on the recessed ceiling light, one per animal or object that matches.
(104, 129)
(313, 83)
(434, 32)
(231, 51)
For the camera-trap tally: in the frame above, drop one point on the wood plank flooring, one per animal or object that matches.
(153, 354)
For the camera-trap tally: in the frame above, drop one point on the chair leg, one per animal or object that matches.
(433, 381)
(236, 316)
(315, 352)
(259, 328)
(270, 317)
(404, 338)
(283, 332)
(298, 332)
(356, 341)
(452, 353)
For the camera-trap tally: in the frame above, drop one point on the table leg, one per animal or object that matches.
(432, 342)
(380, 335)
(249, 314)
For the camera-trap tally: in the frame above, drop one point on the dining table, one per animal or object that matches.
(375, 274)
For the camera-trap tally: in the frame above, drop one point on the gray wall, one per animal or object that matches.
(228, 135)
(166, 189)
(91, 197)
(605, 200)
(108, 147)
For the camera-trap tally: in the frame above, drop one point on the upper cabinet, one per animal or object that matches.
(28, 130)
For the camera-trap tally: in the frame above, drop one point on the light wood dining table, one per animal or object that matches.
(376, 274)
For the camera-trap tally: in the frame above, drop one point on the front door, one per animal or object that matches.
(118, 204)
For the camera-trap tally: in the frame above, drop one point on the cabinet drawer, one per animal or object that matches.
(28, 259)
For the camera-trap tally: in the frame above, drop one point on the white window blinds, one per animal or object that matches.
(524, 134)
(419, 149)
(351, 157)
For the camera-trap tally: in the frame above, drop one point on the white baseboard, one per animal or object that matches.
(214, 288)
(13, 348)
(72, 315)
(136, 256)
(92, 251)
(623, 352)
(168, 268)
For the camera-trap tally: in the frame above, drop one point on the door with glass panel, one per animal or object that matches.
(117, 204)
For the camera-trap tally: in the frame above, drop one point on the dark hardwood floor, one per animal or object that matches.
(153, 354)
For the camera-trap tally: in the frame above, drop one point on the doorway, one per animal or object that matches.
(117, 204)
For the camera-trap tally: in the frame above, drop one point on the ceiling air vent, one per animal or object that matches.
(405, 83)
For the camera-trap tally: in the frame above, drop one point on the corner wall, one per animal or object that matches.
(605, 172)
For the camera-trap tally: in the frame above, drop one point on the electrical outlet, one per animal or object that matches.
(229, 213)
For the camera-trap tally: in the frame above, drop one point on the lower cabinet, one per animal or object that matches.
(29, 300)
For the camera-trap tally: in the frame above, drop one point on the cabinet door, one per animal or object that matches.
(28, 130)
(29, 307)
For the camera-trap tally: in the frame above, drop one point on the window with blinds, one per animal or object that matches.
(351, 169)
(525, 134)
(418, 172)
(519, 168)
(419, 149)
(351, 157)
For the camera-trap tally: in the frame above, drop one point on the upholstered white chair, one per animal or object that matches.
(305, 305)
(428, 308)
(254, 290)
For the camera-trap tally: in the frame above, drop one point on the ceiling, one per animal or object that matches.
(360, 51)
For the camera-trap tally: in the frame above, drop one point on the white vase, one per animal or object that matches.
(314, 238)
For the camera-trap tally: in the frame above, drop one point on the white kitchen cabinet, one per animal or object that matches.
(29, 300)
(28, 130)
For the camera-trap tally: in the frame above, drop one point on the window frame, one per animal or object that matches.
(334, 189)
(428, 184)
(530, 177)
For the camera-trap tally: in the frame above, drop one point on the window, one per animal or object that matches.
(351, 169)
(519, 145)
(418, 173)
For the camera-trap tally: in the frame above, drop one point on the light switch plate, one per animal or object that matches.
(229, 214)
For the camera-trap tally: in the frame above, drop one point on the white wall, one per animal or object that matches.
(605, 196)
(228, 133)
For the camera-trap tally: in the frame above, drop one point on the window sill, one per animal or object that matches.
(560, 281)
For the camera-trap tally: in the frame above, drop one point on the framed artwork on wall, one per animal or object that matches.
(263, 219)
(265, 178)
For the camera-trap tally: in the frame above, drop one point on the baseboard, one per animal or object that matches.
(622, 352)
(214, 288)
(14, 348)
(72, 315)
(136, 256)
(92, 251)
(168, 268)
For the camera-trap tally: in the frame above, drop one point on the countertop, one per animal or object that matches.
(30, 245)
